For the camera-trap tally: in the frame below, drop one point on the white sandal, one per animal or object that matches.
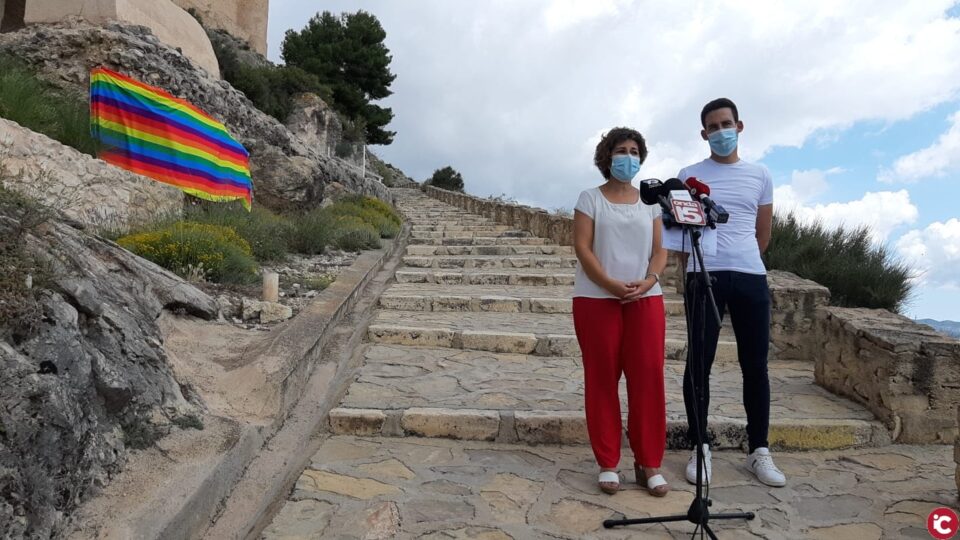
(609, 477)
(653, 484)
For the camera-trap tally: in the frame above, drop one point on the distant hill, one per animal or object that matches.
(950, 328)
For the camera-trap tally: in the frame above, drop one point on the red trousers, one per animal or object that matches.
(620, 338)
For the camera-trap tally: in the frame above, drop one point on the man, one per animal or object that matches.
(745, 190)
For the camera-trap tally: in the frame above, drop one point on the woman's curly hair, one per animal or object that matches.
(604, 154)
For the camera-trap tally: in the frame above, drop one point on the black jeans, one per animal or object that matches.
(747, 298)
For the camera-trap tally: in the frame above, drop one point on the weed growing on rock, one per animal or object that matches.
(37, 105)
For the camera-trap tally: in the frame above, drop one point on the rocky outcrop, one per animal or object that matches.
(85, 189)
(316, 123)
(91, 378)
(287, 172)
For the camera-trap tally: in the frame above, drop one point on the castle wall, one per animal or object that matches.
(244, 19)
(169, 23)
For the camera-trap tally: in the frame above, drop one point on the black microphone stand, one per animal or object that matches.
(699, 512)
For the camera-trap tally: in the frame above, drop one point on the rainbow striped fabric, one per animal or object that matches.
(147, 131)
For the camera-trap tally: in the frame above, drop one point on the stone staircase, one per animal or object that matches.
(475, 341)
(461, 420)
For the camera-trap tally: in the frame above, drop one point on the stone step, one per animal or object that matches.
(513, 233)
(430, 251)
(541, 334)
(436, 392)
(503, 276)
(511, 299)
(451, 228)
(491, 261)
(480, 241)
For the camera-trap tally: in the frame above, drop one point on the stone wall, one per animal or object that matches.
(86, 189)
(168, 22)
(794, 305)
(906, 373)
(245, 19)
(956, 455)
(11, 14)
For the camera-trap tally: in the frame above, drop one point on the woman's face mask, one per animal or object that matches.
(624, 167)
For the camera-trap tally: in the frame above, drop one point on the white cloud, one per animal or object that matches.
(804, 186)
(507, 92)
(938, 159)
(935, 252)
(563, 14)
(882, 212)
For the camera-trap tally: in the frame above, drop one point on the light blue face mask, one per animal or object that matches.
(723, 142)
(624, 168)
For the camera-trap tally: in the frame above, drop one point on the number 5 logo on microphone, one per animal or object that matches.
(688, 212)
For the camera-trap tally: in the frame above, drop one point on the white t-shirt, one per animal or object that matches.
(622, 242)
(741, 188)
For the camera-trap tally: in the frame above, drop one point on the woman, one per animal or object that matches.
(618, 313)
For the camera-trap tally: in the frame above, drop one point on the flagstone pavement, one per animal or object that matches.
(465, 419)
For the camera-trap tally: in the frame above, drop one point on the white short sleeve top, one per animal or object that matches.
(741, 188)
(622, 242)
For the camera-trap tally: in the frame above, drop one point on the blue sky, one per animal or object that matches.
(854, 106)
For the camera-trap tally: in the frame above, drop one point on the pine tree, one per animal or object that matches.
(347, 54)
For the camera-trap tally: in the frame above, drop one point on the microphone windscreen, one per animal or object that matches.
(650, 190)
(697, 187)
(674, 184)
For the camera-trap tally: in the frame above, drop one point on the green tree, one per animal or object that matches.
(446, 178)
(347, 54)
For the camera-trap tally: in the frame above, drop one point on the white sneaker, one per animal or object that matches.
(692, 466)
(761, 464)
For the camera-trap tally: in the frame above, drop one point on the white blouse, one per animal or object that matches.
(622, 242)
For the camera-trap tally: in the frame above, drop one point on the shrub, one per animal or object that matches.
(37, 105)
(312, 232)
(446, 178)
(355, 234)
(220, 252)
(266, 232)
(383, 225)
(374, 204)
(858, 272)
(270, 88)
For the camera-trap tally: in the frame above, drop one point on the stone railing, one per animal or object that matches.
(794, 305)
(906, 373)
(536, 220)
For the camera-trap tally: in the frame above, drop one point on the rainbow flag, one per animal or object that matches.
(147, 131)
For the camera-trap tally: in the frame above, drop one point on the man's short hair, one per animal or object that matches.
(719, 103)
(603, 156)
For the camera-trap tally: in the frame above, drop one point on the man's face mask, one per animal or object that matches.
(723, 141)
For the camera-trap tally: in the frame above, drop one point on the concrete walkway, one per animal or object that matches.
(465, 419)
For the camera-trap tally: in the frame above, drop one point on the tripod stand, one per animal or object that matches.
(699, 512)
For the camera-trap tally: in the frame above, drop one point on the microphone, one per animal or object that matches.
(650, 190)
(680, 204)
(701, 192)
